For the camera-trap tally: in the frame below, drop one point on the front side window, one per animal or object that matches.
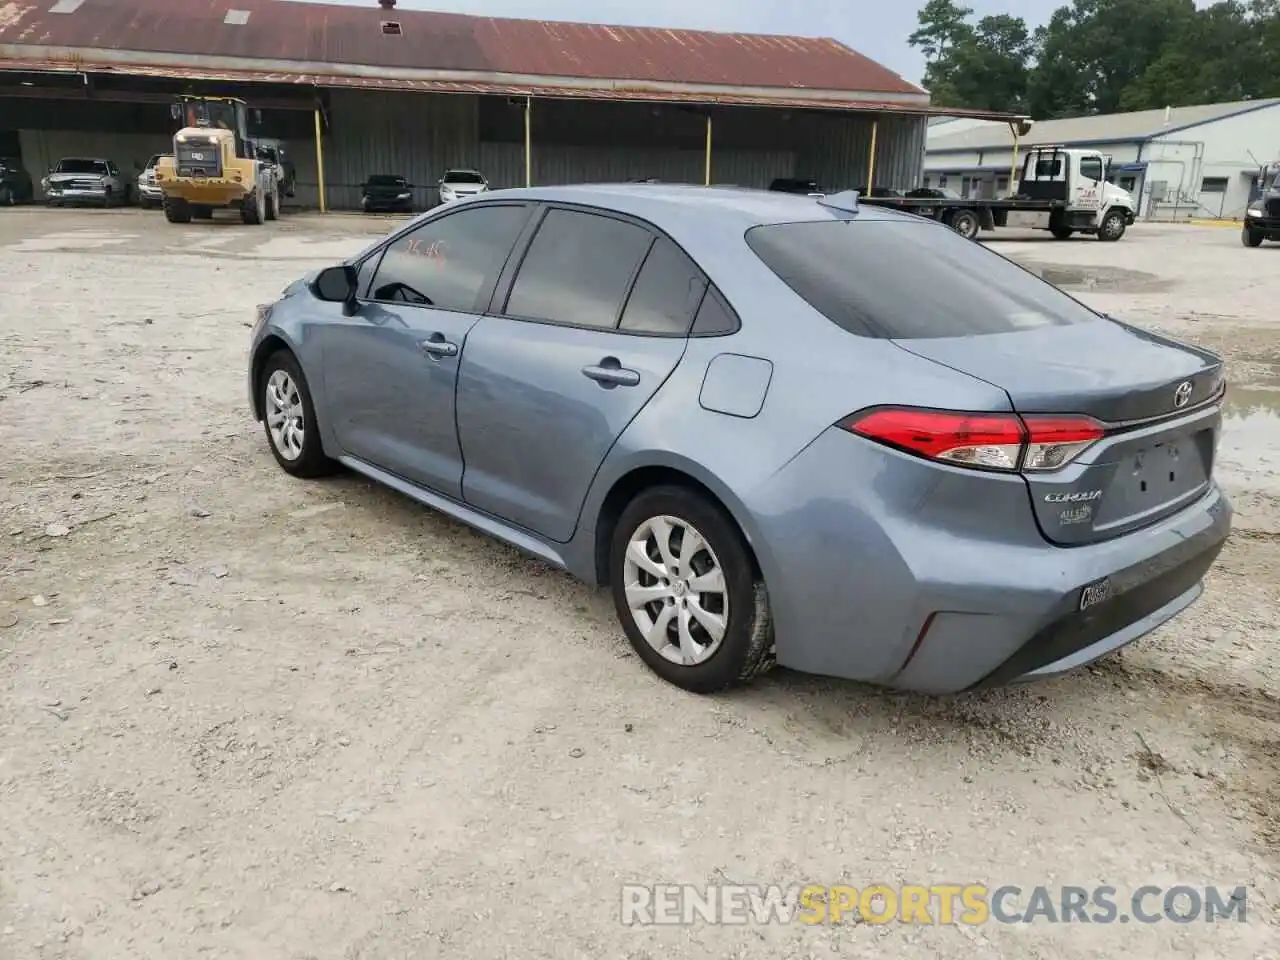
(1091, 168)
(447, 262)
(577, 270)
(666, 293)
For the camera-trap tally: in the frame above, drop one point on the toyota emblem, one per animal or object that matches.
(1182, 396)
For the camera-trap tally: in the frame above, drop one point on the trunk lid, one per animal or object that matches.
(1152, 394)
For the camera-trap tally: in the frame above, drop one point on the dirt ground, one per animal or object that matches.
(243, 716)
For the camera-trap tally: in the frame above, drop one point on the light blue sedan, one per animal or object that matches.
(778, 428)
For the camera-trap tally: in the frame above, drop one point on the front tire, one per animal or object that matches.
(6, 197)
(1062, 233)
(687, 592)
(289, 417)
(1250, 237)
(177, 211)
(1112, 227)
(273, 206)
(254, 211)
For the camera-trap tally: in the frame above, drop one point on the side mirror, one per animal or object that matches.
(336, 284)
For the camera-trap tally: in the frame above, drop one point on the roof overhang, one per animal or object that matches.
(37, 59)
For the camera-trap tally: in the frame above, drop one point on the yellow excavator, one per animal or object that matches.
(216, 165)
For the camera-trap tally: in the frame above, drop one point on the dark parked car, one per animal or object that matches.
(934, 193)
(795, 185)
(884, 192)
(809, 430)
(386, 193)
(15, 183)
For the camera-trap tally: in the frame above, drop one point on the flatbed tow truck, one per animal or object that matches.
(1060, 190)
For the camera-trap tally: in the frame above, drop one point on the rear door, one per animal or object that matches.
(595, 319)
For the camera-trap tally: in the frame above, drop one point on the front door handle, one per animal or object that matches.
(437, 346)
(610, 373)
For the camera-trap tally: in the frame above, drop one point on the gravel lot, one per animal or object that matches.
(243, 716)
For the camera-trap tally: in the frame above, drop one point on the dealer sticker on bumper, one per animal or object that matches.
(1095, 593)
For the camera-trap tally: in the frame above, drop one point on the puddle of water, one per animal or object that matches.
(1249, 457)
(1101, 279)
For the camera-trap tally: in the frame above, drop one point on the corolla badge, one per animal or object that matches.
(1078, 497)
(1182, 395)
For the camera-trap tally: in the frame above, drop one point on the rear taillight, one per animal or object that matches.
(984, 441)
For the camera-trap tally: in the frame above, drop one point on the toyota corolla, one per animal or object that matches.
(778, 428)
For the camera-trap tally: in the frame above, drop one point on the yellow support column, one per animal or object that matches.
(706, 176)
(528, 142)
(871, 162)
(320, 161)
(1013, 170)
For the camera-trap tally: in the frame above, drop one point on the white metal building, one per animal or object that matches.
(1181, 162)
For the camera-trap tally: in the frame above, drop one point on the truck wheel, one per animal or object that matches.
(1062, 233)
(6, 197)
(1250, 237)
(1113, 226)
(253, 210)
(177, 211)
(966, 223)
(273, 205)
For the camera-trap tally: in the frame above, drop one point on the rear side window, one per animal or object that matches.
(666, 293)
(578, 269)
(904, 280)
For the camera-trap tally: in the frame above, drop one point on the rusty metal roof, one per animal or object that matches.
(320, 33)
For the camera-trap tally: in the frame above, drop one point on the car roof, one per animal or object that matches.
(669, 204)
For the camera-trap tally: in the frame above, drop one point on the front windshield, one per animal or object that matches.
(77, 165)
(210, 113)
(385, 180)
(463, 176)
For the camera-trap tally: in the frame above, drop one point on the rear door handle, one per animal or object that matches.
(437, 346)
(610, 373)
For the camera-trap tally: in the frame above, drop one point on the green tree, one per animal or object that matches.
(980, 67)
(1093, 50)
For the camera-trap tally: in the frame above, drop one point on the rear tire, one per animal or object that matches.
(733, 597)
(1250, 237)
(177, 211)
(6, 197)
(292, 431)
(1112, 227)
(273, 206)
(966, 223)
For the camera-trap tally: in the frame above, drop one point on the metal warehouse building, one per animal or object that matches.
(1198, 161)
(361, 90)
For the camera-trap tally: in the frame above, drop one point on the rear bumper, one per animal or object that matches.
(886, 569)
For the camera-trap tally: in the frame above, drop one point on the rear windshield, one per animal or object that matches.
(76, 165)
(385, 180)
(909, 280)
(462, 176)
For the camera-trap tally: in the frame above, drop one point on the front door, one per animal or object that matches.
(390, 371)
(1088, 183)
(596, 320)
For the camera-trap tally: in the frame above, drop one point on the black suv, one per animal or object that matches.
(15, 183)
(1262, 219)
(386, 192)
(795, 185)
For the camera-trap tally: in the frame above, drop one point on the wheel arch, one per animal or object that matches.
(665, 471)
(270, 344)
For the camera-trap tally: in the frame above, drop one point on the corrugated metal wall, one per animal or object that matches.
(421, 135)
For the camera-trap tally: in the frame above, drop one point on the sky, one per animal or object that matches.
(876, 28)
